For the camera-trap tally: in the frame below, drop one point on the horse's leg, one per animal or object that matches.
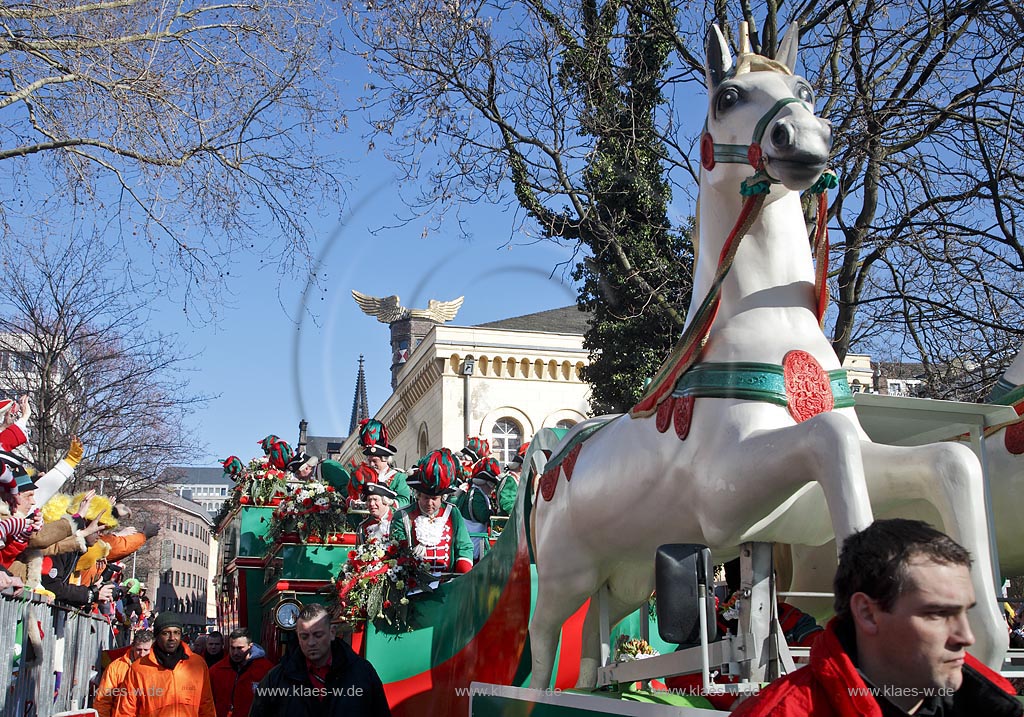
(559, 594)
(948, 476)
(627, 590)
(777, 462)
(813, 570)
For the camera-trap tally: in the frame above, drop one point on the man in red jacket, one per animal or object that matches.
(235, 678)
(897, 645)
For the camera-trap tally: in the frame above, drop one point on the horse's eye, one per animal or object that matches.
(805, 93)
(727, 98)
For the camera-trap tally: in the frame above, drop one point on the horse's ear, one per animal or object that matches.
(719, 60)
(787, 48)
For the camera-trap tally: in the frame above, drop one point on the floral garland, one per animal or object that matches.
(311, 510)
(629, 648)
(374, 584)
(263, 482)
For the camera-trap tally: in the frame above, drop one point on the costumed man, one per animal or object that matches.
(308, 468)
(476, 449)
(478, 502)
(509, 486)
(373, 437)
(434, 529)
(379, 500)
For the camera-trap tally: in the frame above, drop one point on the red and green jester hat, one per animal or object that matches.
(373, 437)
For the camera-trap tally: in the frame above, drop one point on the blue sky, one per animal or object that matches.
(269, 363)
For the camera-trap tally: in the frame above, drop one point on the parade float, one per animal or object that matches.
(746, 438)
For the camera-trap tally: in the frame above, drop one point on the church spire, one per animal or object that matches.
(360, 406)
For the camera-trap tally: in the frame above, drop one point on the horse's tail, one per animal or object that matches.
(542, 445)
(546, 452)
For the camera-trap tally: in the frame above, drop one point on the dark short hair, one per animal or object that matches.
(142, 636)
(875, 561)
(215, 633)
(239, 633)
(312, 612)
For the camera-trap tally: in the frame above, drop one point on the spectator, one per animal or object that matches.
(113, 677)
(897, 644)
(169, 681)
(323, 678)
(235, 678)
(214, 648)
(199, 645)
(14, 422)
(10, 581)
(17, 508)
(62, 532)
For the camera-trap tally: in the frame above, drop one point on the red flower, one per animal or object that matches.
(351, 555)
(387, 604)
(330, 489)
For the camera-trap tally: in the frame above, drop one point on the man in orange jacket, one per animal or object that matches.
(168, 682)
(235, 678)
(113, 677)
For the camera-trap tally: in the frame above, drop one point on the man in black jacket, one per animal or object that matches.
(323, 678)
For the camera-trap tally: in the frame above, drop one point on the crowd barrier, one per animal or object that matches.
(48, 656)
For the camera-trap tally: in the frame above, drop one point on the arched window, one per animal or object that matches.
(423, 441)
(565, 423)
(506, 437)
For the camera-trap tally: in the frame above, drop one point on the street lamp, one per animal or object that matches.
(468, 364)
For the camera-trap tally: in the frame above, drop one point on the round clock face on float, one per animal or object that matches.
(286, 614)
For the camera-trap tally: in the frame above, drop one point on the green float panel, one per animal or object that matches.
(254, 525)
(310, 561)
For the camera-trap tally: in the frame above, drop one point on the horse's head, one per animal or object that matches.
(762, 115)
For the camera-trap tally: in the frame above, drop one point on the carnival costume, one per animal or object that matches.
(508, 488)
(373, 437)
(443, 540)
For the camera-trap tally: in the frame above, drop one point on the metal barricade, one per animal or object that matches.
(49, 656)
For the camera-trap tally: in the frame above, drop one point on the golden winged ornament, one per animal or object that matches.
(389, 309)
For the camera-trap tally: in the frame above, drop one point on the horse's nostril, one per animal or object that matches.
(782, 135)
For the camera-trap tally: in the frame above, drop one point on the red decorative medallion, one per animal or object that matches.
(1014, 435)
(548, 483)
(569, 462)
(707, 151)
(683, 415)
(808, 388)
(664, 416)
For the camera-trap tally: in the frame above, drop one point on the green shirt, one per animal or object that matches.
(507, 491)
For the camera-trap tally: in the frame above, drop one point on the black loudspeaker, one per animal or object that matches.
(682, 572)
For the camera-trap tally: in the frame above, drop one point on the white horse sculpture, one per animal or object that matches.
(756, 454)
